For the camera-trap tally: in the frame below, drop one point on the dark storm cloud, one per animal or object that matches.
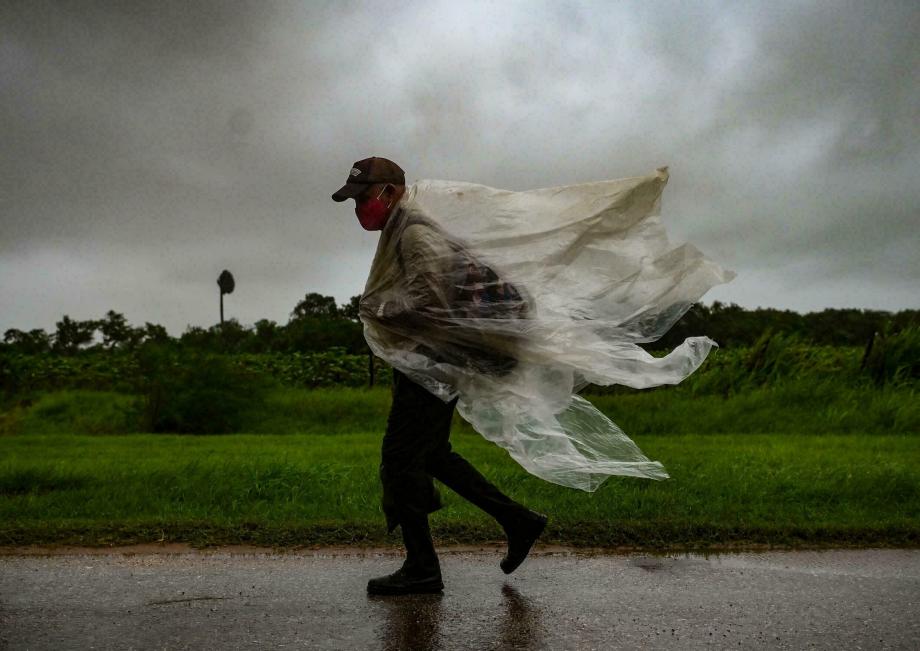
(147, 146)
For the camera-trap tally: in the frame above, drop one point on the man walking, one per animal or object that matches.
(416, 447)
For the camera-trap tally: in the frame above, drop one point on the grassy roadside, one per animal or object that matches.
(305, 489)
(791, 407)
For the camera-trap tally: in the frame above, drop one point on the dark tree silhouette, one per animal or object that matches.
(318, 324)
(33, 342)
(317, 306)
(70, 334)
(350, 310)
(196, 337)
(267, 336)
(155, 333)
(116, 333)
(232, 336)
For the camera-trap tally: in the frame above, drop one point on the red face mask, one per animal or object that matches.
(373, 213)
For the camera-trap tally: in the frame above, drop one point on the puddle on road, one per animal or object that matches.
(415, 622)
(182, 600)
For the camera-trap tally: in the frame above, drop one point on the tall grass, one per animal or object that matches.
(895, 358)
(75, 412)
(795, 406)
(774, 359)
(789, 407)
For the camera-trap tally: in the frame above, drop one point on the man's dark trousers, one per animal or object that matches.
(416, 448)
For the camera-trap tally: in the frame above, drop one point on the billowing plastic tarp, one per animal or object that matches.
(514, 301)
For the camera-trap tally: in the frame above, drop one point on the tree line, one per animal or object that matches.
(734, 326)
(318, 323)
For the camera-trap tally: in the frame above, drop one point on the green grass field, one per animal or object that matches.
(829, 469)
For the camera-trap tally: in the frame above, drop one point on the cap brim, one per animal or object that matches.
(349, 191)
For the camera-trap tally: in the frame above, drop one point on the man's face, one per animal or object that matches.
(372, 192)
(374, 205)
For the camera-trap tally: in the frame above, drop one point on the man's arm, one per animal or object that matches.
(427, 261)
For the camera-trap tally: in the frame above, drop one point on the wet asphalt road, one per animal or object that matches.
(868, 599)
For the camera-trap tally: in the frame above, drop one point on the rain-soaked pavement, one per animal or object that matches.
(844, 599)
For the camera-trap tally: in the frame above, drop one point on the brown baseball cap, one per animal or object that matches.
(368, 172)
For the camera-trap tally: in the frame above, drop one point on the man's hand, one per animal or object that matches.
(384, 311)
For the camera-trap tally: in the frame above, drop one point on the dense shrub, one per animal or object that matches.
(894, 358)
(334, 367)
(773, 359)
(77, 411)
(197, 393)
(23, 375)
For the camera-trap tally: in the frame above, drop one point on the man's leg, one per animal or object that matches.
(522, 526)
(416, 423)
(417, 447)
(460, 476)
(409, 494)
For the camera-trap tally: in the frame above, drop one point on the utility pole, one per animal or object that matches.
(227, 284)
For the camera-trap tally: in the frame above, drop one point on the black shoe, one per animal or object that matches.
(521, 537)
(401, 582)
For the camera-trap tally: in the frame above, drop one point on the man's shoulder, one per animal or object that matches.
(419, 229)
(423, 244)
(416, 219)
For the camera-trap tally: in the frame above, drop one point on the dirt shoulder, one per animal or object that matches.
(359, 550)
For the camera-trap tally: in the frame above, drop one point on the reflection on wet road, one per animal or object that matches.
(413, 622)
(791, 600)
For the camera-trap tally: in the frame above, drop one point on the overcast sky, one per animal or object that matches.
(146, 146)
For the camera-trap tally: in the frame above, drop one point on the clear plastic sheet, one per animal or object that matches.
(514, 301)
